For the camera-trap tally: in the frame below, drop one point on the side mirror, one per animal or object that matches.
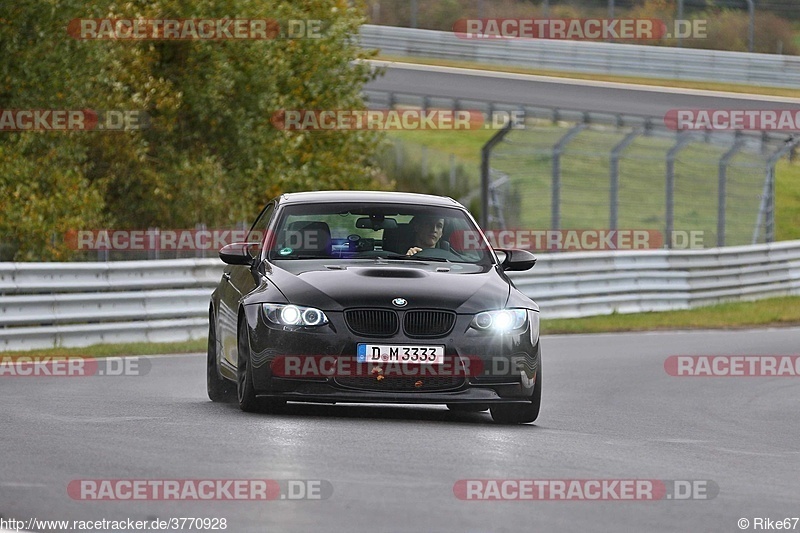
(237, 253)
(516, 260)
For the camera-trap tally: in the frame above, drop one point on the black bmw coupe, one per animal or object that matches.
(373, 297)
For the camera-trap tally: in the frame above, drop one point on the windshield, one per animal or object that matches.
(393, 232)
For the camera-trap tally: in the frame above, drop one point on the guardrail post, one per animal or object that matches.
(201, 252)
(614, 189)
(684, 138)
(722, 188)
(151, 249)
(558, 150)
(486, 153)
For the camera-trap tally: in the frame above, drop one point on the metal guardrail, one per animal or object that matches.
(78, 304)
(43, 305)
(591, 57)
(596, 283)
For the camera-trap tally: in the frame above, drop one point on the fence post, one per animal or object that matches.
(766, 211)
(684, 138)
(486, 153)
(558, 149)
(722, 190)
(614, 188)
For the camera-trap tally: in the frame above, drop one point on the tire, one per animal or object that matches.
(245, 391)
(219, 389)
(467, 407)
(520, 413)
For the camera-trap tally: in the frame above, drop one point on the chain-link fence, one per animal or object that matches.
(582, 170)
(562, 169)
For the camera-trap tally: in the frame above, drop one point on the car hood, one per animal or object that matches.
(461, 288)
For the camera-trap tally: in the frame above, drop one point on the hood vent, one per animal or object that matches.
(392, 273)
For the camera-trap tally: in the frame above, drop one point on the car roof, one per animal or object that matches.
(368, 196)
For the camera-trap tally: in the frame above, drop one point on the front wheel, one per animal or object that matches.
(520, 413)
(219, 389)
(245, 391)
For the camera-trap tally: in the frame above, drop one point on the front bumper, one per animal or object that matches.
(485, 368)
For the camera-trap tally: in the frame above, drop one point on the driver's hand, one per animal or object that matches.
(413, 250)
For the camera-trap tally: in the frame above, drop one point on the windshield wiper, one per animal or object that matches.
(302, 256)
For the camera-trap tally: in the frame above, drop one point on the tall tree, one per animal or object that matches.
(210, 153)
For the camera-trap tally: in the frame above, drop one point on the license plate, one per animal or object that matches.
(400, 353)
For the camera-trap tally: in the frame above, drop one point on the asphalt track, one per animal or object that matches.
(543, 91)
(610, 411)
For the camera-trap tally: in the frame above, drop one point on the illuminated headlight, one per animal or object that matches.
(294, 315)
(500, 321)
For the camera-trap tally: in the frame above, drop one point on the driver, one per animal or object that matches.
(427, 231)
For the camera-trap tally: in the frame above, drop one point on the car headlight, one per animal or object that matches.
(294, 315)
(501, 321)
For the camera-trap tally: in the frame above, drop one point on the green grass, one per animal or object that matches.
(686, 84)
(464, 144)
(771, 312)
(115, 350)
(439, 146)
(787, 201)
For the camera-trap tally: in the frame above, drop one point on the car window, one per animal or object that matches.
(364, 231)
(258, 231)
